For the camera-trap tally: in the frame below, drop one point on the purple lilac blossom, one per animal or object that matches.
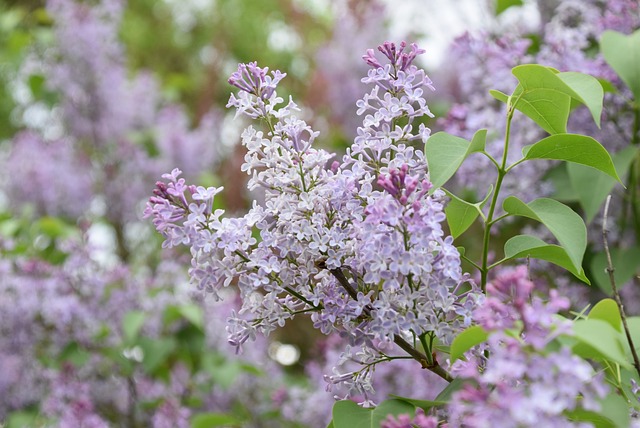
(360, 246)
(523, 383)
(419, 420)
(47, 308)
(49, 176)
(107, 112)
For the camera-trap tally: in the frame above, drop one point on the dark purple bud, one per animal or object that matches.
(370, 59)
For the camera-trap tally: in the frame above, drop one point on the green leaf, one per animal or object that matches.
(20, 419)
(193, 313)
(634, 329)
(36, 84)
(190, 312)
(502, 5)
(623, 55)
(207, 420)
(54, 227)
(445, 153)
(500, 96)
(591, 187)
(607, 86)
(461, 214)
(562, 221)
(559, 178)
(587, 90)
(626, 262)
(596, 419)
(425, 405)
(347, 414)
(75, 354)
(156, 352)
(599, 340)
(466, 340)
(573, 148)
(522, 246)
(545, 95)
(615, 408)
(546, 107)
(132, 322)
(448, 391)
(607, 310)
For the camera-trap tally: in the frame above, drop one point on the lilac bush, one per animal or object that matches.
(522, 383)
(106, 113)
(358, 245)
(89, 342)
(357, 241)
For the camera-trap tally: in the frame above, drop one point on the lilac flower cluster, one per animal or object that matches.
(358, 245)
(523, 383)
(80, 304)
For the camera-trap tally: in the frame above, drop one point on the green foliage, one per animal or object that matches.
(607, 310)
(616, 409)
(502, 5)
(192, 313)
(573, 148)
(445, 153)
(210, 420)
(562, 222)
(461, 214)
(591, 187)
(596, 419)
(466, 340)
(626, 262)
(525, 246)
(425, 405)
(22, 419)
(131, 324)
(587, 90)
(623, 55)
(347, 414)
(597, 339)
(545, 95)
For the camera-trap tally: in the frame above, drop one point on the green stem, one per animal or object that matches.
(634, 174)
(502, 170)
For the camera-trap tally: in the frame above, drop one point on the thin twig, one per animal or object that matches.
(406, 346)
(616, 294)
